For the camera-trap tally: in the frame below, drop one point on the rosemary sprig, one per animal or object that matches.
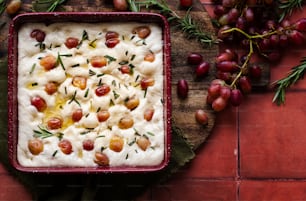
(46, 5)
(295, 74)
(186, 23)
(73, 98)
(44, 133)
(287, 7)
(84, 37)
(2, 6)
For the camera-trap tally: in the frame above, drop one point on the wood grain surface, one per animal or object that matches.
(183, 111)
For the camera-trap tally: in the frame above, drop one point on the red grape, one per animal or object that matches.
(255, 71)
(225, 92)
(182, 89)
(201, 117)
(219, 104)
(194, 58)
(245, 84)
(227, 66)
(202, 69)
(300, 25)
(236, 97)
(296, 37)
(39, 103)
(186, 3)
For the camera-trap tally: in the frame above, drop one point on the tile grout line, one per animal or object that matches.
(238, 179)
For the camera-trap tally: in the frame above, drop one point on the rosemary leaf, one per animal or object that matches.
(46, 5)
(294, 75)
(186, 23)
(2, 6)
(287, 7)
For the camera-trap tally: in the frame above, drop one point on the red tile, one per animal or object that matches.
(291, 59)
(13, 190)
(145, 196)
(272, 138)
(209, 8)
(217, 157)
(2, 169)
(272, 191)
(195, 190)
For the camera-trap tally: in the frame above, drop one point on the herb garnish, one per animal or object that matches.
(54, 153)
(41, 46)
(92, 43)
(114, 83)
(283, 84)
(123, 62)
(44, 133)
(150, 133)
(73, 98)
(132, 142)
(115, 94)
(46, 5)
(60, 61)
(2, 6)
(287, 7)
(133, 57)
(84, 37)
(145, 92)
(86, 93)
(75, 65)
(110, 58)
(32, 68)
(186, 23)
(92, 73)
(111, 102)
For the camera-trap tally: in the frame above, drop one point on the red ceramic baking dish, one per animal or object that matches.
(89, 92)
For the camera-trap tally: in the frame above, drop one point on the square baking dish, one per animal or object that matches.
(16, 125)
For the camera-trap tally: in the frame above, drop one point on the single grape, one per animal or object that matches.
(225, 92)
(194, 58)
(227, 66)
(245, 84)
(221, 35)
(274, 40)
(296, 37)
(202, 69)
(241, 23)
(219, 10)
(214, 90)
(249, 15)
(233, 15)
(236, 97)
(182, 89)
(226, 76)
(201, 117)
(219, 104)
(224, 56)
(255, 71)
(300, 25)
(224, 19)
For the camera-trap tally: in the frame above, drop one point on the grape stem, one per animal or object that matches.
(244, 65)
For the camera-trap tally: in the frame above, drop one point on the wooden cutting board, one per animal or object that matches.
(183, 111)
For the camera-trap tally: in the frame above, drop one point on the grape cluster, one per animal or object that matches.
(255, 26)
(257, 22)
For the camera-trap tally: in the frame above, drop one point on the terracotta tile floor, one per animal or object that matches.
(256, 152)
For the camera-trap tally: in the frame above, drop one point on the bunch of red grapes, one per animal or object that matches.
(255, 27)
